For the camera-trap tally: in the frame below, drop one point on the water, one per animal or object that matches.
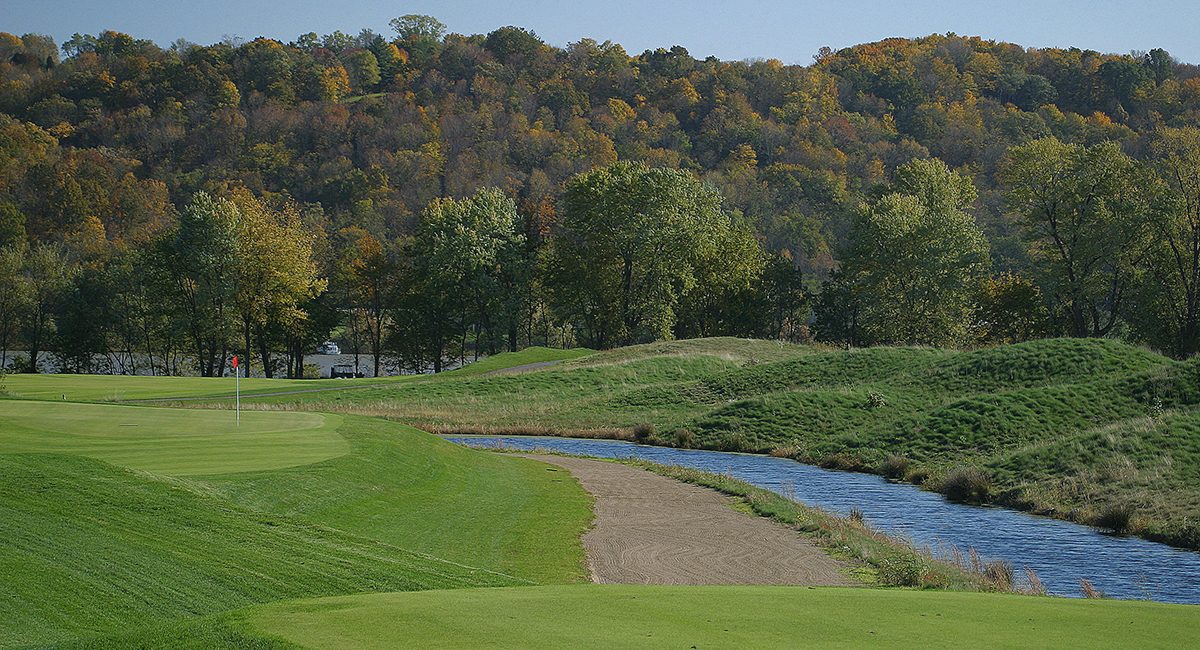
(1060, 552)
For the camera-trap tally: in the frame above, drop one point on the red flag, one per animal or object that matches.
(235, 362)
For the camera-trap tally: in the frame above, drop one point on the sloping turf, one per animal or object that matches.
(414, 490)
(91, 548)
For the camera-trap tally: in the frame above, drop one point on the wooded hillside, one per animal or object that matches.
(354, 138)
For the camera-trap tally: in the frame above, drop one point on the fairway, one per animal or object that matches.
(175, 442)
(611, 616)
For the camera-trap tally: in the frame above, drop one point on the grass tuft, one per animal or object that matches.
(643, 433)
(966, 485)
(1117, 517)
(894, 466)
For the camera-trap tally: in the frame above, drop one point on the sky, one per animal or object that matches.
(788, 30)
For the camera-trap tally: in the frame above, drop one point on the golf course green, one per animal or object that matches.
(176, 442)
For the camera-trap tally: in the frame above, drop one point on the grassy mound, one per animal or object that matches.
(567, 395)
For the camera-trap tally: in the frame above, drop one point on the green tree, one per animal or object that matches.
(1082, 209)
(84, 322)
(729, 298)
(12, 224)
(915, 258)
(418, 26)
(366, 70)
(197, 269)
(1011, 310)
(1173, 259)
(273, 275)
(419, 34)
(633, 242)
(14, 295)
(370, 275)
(47, 275)
(468, 259)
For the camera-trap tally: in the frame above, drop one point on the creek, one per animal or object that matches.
(1060, 552)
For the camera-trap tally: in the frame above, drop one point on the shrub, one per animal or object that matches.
(841, 461)
(643, 432)
(1117, 517)
(966, 485)
(1090, 591)
(998, 574)
(894, 466)
(875, 399)
(785, 451)
(685, 439)
(736, 441)
(918, 476)
(905, 571)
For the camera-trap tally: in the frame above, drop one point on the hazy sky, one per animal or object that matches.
(788, 30)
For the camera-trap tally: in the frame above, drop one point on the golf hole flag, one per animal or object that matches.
(237, 391)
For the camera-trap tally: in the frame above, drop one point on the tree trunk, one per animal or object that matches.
(264, 352)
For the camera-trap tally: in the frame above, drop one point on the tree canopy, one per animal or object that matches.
(634, 241)
(111, 149)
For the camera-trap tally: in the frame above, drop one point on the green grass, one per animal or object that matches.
(416, 491)
(91, 548)
(171, 441)
(120, 388)
(519, 358)
(87, 547)
(621, 616)
(568, 396)
(192, 518)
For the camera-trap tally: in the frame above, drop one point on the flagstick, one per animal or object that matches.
(237, 391)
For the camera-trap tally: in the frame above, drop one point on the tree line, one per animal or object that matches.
(439, 195)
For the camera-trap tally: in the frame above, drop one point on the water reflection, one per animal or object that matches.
(1060, 552)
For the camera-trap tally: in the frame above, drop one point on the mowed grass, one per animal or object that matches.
(90, 548)
(98, 556)
(619, 616)
(920, 414)
(176, 442)
(414, 490)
